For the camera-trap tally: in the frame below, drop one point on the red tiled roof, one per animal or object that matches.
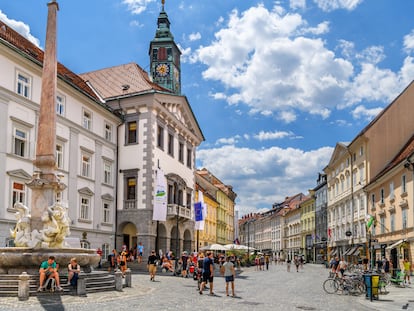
(32, 52)
(121, 80)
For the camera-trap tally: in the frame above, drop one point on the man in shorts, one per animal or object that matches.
(208, 273)
(48, 270)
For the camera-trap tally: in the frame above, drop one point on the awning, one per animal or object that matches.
(356, 253)
(352, 251)
(395, 244)
(333, 253)
(348, 251)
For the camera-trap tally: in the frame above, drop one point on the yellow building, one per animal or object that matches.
(221, 205)
(209, 234)
(307, 221)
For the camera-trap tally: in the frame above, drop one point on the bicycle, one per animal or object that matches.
(351, 284)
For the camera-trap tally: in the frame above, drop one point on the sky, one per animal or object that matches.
(274, 85)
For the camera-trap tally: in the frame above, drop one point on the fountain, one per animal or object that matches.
(41, 231)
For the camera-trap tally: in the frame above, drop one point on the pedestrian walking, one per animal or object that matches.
(296, 261)
(208, 273)
(112, 259)
(267, 261)
(288, 262)
(152, 265)
(140, 252)
(407, 271)
(229, 273)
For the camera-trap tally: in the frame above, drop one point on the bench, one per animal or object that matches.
(398, 279)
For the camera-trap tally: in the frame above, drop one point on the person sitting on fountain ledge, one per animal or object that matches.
(48, 269)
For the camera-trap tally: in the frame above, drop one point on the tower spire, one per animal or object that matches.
(163, 2)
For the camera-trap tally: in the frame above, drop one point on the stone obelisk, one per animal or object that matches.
(45, 183)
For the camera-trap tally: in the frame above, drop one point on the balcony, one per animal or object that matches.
(403, 203)
(174, 209)
(130, 204)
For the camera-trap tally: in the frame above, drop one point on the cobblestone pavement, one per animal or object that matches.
(275, 289)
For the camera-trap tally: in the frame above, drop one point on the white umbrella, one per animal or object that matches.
(213, 247)
(238, 247)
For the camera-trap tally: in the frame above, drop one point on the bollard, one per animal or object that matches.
(118, 280)
(128, 278)
(23, 290)
(81, 285)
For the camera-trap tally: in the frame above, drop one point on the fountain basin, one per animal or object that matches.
(15, 260)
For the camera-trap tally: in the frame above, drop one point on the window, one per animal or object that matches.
(160, 137)
(106, 214)
(84, 208)
(361, 151)
(131, 188)
(60, 105)
(132, 132)
(189, 157)
(392, 222)
(181, 152)
(105, 251)
(86, 165)
(87, 120)
(18, 193)
(20, 142)
(403, 184)
(59, 155)
(108, 131)
(404, 218)
(382, 196)
(171, 144)
(23, 86)
(392, 195)
(107, 173)
(373, 200)
(382, 224)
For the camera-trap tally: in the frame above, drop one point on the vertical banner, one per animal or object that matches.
(160, 197)
(200, 211)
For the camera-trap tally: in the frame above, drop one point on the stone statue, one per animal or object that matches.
(55, 227)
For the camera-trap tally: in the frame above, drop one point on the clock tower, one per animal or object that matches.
(165, 56)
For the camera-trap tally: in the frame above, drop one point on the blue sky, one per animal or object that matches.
(274, 85)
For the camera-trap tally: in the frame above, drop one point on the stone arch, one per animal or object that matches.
(174, 242)
(187, 243)
(127, 235)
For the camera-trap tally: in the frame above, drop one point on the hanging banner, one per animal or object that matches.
(200, 211)
(160, 197)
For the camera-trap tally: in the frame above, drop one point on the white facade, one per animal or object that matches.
(85, 151)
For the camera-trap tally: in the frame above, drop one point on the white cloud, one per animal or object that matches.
(228, 141)
(274, 63)
(194, 36)
(270, 67)
(361, 112)
(137, 6)
(331, 5)
(263, 177)
(409, 42)
(318, 30)
(297, 4)
(21, 28)
(272, 135)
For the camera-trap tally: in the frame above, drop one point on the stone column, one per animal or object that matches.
(23, 290)
(45, 183)
(128, 278)
(81, 286)
(118, 281)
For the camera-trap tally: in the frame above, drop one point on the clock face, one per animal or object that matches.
(162, 70)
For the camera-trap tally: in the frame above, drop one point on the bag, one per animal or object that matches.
(122, 263)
